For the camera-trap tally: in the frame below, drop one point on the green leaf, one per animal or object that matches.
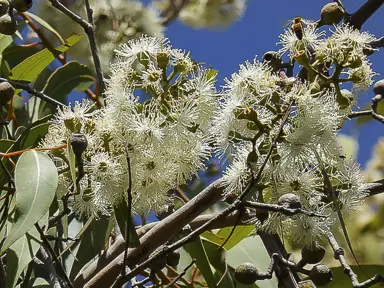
(196, 251)
(122, 219)
(5, 41)
(71, 76)
(92, 242)
(46, 25)
(241, 232)
(5, 144)
(20, 254)
(36, 181)
(252, 250)
(217, 258)
(30, 68)
(41, 283)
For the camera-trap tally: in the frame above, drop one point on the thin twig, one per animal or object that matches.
(129, 211)
(58, 265)
(32, 91)
(88, 29)
(282, 209)
(182, 273)
(339, 255)
(173, 11)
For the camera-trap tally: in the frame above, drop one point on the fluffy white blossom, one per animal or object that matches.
(311, 39)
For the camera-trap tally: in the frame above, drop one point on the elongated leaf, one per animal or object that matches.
(46, 25)
(30, 68)
(20, 254)
(92, 242)
(196, 251)
(122, 218)
(71, 76)
(5, 41)
(240, 233)
(36, 181)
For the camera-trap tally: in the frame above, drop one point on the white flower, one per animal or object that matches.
(352, 37)
(291, 44)
(143, 49)
(152, 78)
(361, 76)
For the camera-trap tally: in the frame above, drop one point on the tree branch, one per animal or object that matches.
(161, 233)
(361, 15)
(88, 29)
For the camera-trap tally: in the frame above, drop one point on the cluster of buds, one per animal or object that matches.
(8, 23)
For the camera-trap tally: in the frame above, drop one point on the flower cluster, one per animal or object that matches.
(159, 103)
(305, 155)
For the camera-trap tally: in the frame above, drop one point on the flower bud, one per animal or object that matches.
(302, 58)
(290, 200)
(246, 273)
(348, 94)
(378, 87)
(342, 100)
(79, 143)
(331, 14)
(252, 157)
(163, 59)
(320, 275)
(22, 5)
(8, 24)
(312, 253)
(4, 7)
(354, 62)
(6, 92)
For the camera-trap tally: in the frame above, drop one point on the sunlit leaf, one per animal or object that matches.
(71, 76)
(196, 251)
(122, 219)
(36, 181)
(30, 68)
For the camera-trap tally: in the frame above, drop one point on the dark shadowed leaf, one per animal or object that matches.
(92, 242)
(71, 76)
(122, 219)
(20, 254)
(36, 181)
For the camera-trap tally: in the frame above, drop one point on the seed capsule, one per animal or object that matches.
(8, 24)
(331, 14)
(246, 273)
(290, 200)
(312, 253)
(320, 275)
(6, 92)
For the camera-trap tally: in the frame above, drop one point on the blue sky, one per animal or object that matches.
(257, 32)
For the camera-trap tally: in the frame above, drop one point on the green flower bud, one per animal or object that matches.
(6, 92)
(302, 58)
(22, 5)
(321, 275)
(8, 24)
(348, 94)
(331, 14)
(163, 59)
(354, 62)
(246, 273)
(342, 100)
